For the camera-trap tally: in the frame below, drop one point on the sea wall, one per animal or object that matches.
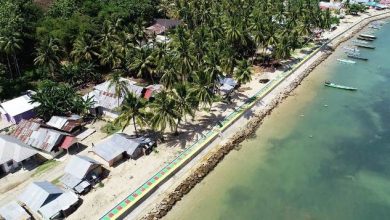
(218, 155)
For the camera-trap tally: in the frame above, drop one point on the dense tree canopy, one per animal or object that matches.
(80, 41)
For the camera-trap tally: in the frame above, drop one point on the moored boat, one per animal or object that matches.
(365, 46)
(360, 41)
(368, 36)
(346, 61)
(365, 38)
(329, 84)
(355, 56)
(351, 49)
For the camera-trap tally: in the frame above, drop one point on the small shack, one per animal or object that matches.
(81, 174)
(48, 200)
(13, 153)
(17, 109)
(118, 146)
(13, 211)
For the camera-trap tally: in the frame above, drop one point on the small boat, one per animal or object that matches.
(365, 46)
(367, 36)
(365, 39)
(329, 84)
(374, 27)
(346, 61)
(360, 41)
(354, 56)
(351, 49)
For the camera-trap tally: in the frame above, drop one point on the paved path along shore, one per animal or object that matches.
(166, 178)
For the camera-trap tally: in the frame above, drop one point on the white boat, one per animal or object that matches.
(346, 61)
(351, 49)
(367, 36)
(360, 41)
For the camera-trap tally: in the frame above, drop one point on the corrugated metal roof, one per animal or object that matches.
(104, 96)
(61, 203)
(70, 181)
(14, 149)
(32, 134)
(37, 194)
(13, 211)
(162, 25)
(115, 145)
(79, 166)
(65, 123)
(18, 105)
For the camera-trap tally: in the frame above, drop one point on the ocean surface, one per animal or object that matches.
(324, 154)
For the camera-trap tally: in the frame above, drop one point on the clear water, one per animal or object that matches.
(324, 154)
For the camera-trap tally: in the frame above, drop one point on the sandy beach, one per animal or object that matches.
(129, 175)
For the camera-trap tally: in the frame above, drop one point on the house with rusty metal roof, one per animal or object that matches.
(13, 153)
(161, 26)
(46, 140)
(105, 100)
(66, 124)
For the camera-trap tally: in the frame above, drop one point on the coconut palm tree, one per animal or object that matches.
(185, 103)
(119, 84)
(143, 64)
(164, 113)
(84, 49)
(242, 72)
(202, 88)
(132, 109)
(10, 45)
(170, 75)
(49, 55)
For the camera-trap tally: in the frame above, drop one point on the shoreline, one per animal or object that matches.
(217, 155)
(160, 185)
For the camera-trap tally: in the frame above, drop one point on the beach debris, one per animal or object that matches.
(302, 115)
(325, 105)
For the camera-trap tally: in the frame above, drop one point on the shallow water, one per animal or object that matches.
(323, 154)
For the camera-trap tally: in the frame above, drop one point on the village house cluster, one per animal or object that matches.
(30, 141)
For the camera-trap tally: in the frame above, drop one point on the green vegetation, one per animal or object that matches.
(74, 43)
(56, 181)
(111, 128)
(58, 99)
(354, 9)
(45, 167)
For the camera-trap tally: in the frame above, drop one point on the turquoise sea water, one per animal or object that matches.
(324, 154)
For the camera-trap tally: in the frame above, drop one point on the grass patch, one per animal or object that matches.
(110, 128)
(56, 181)
(44, 167)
